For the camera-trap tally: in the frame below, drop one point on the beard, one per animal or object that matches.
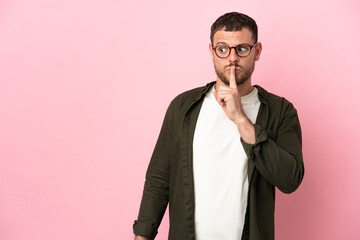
(241, 77)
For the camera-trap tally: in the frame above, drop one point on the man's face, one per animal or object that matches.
(244, 66)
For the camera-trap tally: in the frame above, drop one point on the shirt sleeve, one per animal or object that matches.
(278, 155)
(156, 189)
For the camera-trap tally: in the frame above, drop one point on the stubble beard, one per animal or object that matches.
(241, 77)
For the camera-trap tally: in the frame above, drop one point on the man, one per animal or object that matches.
(223, 149)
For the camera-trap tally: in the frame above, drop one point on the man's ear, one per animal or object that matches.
(211, 51)
(258, 50)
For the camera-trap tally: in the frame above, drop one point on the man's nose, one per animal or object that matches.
(233, 57)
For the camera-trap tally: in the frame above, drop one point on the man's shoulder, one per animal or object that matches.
(274, 101)
(271, 97)
(190, 96)
(191, 93)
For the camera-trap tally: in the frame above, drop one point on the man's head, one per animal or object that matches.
(234, 21)
(234, 43)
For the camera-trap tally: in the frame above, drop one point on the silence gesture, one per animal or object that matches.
(229, 99)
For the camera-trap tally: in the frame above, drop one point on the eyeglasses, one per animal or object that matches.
(242, 50)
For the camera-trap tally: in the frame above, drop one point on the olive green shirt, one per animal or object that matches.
(275, 160)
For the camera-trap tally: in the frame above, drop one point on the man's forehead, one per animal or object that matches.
(243, 35)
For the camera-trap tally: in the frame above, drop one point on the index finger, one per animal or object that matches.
(233, 84)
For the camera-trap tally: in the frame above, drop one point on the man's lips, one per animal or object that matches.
(237, 69)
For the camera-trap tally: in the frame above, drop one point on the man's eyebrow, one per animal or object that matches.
(221, 43)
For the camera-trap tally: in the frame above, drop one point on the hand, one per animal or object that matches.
(229, 99)
(140, 238)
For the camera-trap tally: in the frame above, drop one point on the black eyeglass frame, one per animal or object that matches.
(251, 47)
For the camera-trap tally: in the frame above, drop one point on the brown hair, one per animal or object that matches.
(234, 21)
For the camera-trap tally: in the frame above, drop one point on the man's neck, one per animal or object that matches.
(244, 89)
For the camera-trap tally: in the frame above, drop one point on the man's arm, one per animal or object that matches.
(279, 162)
(156, 189)
(278, 155)
(230, 100)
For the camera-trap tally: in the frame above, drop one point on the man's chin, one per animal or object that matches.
(226, 82)
(238, 81)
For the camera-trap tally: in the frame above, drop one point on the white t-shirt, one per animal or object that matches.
(220, 170)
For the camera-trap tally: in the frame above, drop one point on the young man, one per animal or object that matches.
(222, 149)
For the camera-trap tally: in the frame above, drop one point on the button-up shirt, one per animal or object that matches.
(275, 160)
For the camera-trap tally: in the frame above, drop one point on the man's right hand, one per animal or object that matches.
(140, 238)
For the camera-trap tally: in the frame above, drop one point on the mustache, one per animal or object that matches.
(233, 65)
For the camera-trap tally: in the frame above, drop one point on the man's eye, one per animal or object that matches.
(222, 49)
(242, 49)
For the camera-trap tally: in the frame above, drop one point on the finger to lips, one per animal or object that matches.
(233, 84)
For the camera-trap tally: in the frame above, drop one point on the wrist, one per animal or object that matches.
(246, 129)
(137, 237)
(240, 120)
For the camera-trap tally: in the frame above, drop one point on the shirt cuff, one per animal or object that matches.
(260, 136)
(144, 229)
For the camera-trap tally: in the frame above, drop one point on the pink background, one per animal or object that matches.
(84, 86)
